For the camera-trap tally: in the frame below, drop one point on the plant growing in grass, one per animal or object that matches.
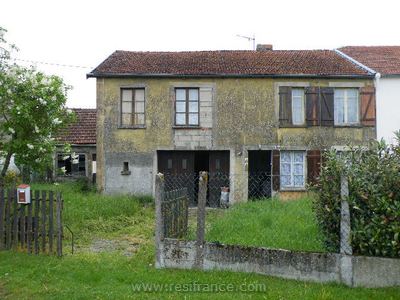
(32, 107)
(374, 198)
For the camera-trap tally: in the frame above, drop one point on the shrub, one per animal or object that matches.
(374, 199)
(12, 178)
(84, 185)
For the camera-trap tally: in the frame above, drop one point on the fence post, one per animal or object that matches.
(59, 224)
(2, 213)
(201, 219)
(159, 234)
(346, 263)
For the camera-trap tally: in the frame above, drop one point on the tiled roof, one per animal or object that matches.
(83, 131)
(382, 59)
(228, 63)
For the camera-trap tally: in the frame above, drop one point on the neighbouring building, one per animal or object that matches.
(12, 167)
(384, 61)
(235, 113)
(81, 135)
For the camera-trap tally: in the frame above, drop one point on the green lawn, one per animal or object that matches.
(270, 223)
(112, 275)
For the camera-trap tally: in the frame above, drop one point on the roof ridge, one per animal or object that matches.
(225, 63)
(224, 50)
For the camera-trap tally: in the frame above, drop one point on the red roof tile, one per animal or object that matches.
(228, 63)
(382, 59)
(83, 131)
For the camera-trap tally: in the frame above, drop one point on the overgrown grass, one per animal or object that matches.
(91, 215)
(270, 223)
(111, 275)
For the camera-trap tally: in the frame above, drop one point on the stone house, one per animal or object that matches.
(81, 135)
(236, 113)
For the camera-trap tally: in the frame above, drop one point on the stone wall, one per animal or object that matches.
(307, 266)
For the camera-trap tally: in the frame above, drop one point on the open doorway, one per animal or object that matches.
(182, 168)
(259, 184)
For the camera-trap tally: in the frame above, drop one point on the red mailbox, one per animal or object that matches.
(24, 194)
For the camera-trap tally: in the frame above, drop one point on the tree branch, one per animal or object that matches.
(6, 165)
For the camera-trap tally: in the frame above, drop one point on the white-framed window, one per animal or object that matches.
(133, 106)
(346, 106)
(298, 116)
(292, 169)
(187, 107)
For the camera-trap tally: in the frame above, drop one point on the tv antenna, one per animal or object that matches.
(249, 38)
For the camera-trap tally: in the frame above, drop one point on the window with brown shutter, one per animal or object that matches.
(275, 170)
(346, 107)
(313, 165)
(285, 106)
(312, 106)
(327, 106)
(368, 106)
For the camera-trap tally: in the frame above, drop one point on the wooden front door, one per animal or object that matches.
(178, 169)
(218, 176)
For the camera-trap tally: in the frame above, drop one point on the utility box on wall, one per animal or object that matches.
(24, 194)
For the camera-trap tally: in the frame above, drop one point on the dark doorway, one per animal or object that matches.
(259, 174)
(182, 168)
(201, 161)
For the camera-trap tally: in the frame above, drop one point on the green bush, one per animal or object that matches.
(12, 179)
(374, 198)
(84, 185)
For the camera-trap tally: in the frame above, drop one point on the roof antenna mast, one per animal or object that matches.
(249, 38)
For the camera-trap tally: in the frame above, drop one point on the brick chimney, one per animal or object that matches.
(264, 47)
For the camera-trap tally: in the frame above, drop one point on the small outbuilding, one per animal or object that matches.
(81, 135)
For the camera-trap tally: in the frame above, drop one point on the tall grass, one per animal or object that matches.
(92, 215)
(89, 275)
(270, 223)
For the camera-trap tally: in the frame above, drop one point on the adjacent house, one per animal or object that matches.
(81, 135)
(384, 61)
(233, 113)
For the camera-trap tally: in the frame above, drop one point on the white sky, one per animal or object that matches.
(85, 32)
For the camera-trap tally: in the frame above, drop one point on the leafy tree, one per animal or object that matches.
(32, 111)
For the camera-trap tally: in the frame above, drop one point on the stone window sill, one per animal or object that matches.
(132, 127)
(125, 172)
(186, 127)
(293, 189)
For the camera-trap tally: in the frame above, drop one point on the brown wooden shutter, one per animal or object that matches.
(285, 106)
(312, 106)
(368, 106)
(313, 165)
(276, 165)
(326, 101)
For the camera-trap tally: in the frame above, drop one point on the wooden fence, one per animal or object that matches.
(35, 227)
(175, 210)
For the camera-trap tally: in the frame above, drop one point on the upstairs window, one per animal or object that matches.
(346, 107)
(291, 106)
(133, 107)
(187, 106)
(298, 117)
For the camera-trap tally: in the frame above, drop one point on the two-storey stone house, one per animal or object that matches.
(227, 112)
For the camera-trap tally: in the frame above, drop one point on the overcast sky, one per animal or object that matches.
(84, 33)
